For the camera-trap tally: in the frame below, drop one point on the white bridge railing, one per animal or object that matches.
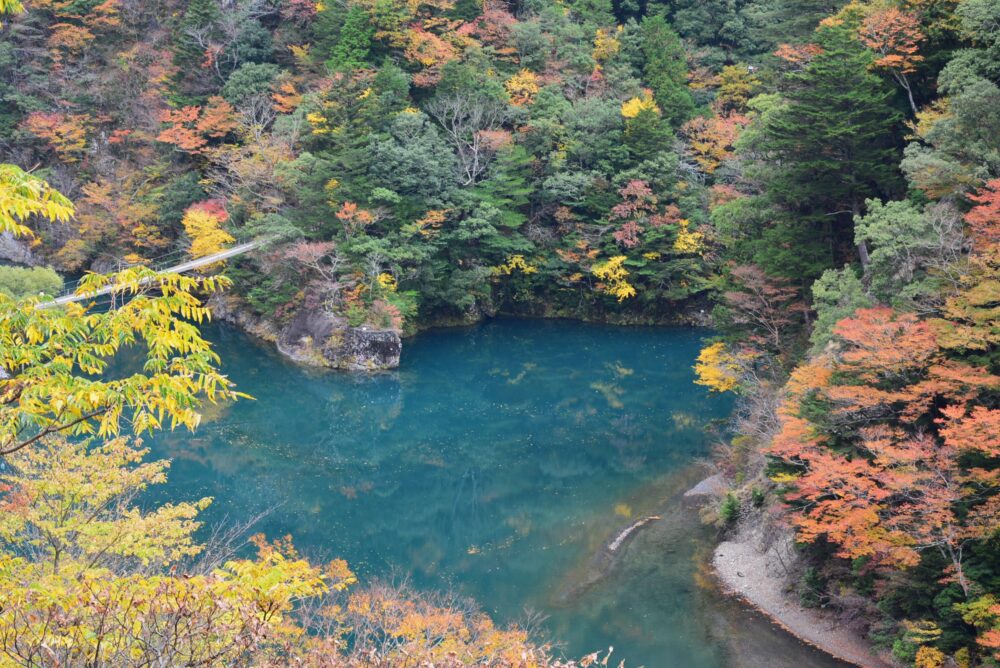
(167, 264)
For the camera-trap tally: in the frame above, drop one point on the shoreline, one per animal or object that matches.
(744, 572)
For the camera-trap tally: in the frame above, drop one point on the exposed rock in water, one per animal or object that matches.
(713, 485)
(317, 338)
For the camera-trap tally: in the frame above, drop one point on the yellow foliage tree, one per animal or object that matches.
(635, 106)
(688, 241)
(203, 224)
(23, 196)
(613, 276)
(718, 369)
(514, 263)
(737, 84)
(69, 502)
(606, 45)
(10, 7)
(522, 87)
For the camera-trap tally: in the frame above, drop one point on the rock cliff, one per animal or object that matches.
(316, 337)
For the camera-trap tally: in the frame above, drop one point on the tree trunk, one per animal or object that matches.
(863, 246)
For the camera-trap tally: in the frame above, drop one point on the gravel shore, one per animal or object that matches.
(753, 575)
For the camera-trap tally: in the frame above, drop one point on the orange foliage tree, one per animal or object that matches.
(876, 445)
(190, 128)
(711, 139)
(895, 37)
(65, 134)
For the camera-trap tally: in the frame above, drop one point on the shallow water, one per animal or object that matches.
(496, 461)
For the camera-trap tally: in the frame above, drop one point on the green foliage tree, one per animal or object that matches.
(249, 80)
(666, 69)
(354, 41)
(827, 148)
(837, 294)
(912, 250)
(20, 282)
(196, 28)
(414, 161)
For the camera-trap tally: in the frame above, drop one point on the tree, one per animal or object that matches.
(869, 472)
(10, 7)
(23, 196)
(970, 321)
(69, 505)
(831, 146)
(468, 115)
(646, 134)
(190, 128)
(912, 251)
(354, 40)
(837, 294)
(712, 139)
(18, 282)
(85, 581)
(895, 36)
(718, 369)
(666, 69)
(66, 134)
(769, 306)
(614, 278)
(203, 224)
(55, 359)
(737, 84)
(195, 32)
(413, 160)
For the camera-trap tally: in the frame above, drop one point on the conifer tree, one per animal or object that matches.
(354, 41)
(831, 145)
(195, 27)
(666, 70)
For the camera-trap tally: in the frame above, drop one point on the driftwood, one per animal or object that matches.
(605, 560)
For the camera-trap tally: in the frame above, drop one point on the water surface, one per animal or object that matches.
(496, 461)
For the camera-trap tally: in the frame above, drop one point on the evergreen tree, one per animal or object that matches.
(831, 145)
(508, 187)
(666, 69)
(354, 41)
(647, 135)
(199, 21)
(785, 21)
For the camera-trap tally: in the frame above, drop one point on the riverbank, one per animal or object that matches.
(757, 577)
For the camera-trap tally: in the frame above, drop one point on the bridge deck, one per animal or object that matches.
(176, 269)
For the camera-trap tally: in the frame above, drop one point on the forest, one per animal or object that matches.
(818, 181)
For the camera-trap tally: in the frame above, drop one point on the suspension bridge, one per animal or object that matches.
(166, 264)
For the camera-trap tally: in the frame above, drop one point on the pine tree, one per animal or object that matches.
(354, 41)
(507, 187)
(647, 135)
(199, 18)
(666, 70)
(832, 144)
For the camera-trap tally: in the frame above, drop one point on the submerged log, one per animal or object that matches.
(630, 530)
(604, 560)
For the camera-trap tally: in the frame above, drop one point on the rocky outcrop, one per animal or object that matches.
(17, 251)
(231, 309)
(712, 486)
(317, 338)
(364, 349)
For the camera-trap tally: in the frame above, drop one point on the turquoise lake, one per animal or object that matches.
(495, 462)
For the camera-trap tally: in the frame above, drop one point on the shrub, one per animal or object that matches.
(20, 282)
